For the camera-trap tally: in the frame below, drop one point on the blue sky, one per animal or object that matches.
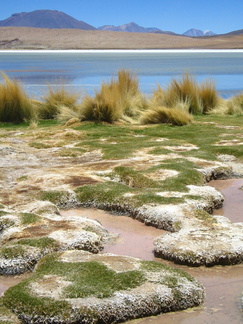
(220, 16)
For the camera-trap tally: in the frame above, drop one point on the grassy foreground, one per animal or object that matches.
(177, 152)
(181, 151)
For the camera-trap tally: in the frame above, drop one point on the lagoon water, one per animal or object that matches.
(85, 70)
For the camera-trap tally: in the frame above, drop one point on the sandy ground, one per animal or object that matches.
(40, 38)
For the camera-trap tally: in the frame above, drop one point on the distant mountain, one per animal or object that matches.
(198, 33)
(58, 19)
(45, 19)
(134, 28)
(235, 32)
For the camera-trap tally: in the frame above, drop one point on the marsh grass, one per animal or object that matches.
(12, 252)
(159, 114)
(29, 218)
(118, 100)
(232, 106)
(187, 175)
(58, 101)
(208, 96)
(134, 179)
(42, 243)
(130, 188)
(188, 95)
(54, 196)
(15, 106)
(108, 192)
(184, 90)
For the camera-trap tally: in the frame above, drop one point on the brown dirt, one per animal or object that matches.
(45, 229)
(41, 38)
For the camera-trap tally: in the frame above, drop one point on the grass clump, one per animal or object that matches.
(15, 106)
(134, 178)
(208, 96)
(54, 196)
(102, 193)
(117, 100)
(186, 91)
(42, 243)
(29, 218)
(56, 101)
(232, 106)
(187, 95)
(13, 251)
(160, 114)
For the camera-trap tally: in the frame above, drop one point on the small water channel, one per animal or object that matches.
(223, 284)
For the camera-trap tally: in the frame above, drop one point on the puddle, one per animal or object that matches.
(134, 238)
(7, 282)
(231, 189)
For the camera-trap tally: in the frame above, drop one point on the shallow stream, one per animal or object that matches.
(223, 284)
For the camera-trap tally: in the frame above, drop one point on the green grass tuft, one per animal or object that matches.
(29, 218)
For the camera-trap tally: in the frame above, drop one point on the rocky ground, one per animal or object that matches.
(32, 161)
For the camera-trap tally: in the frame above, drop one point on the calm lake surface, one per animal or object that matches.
(85, 70)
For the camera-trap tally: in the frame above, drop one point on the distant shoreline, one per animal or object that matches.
(123, 51)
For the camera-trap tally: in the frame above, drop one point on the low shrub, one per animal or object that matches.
(15, 106)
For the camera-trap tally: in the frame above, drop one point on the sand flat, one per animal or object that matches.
(41, 38)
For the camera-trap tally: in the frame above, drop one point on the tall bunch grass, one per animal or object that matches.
(187, 94)
(231, 106)
(55, 100)
(15, 105)
(117, 100)
(208, 96)
(184, 90)
(160, 114)
(235, 105)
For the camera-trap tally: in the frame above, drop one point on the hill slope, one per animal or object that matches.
(45, 19)
(42, 38)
